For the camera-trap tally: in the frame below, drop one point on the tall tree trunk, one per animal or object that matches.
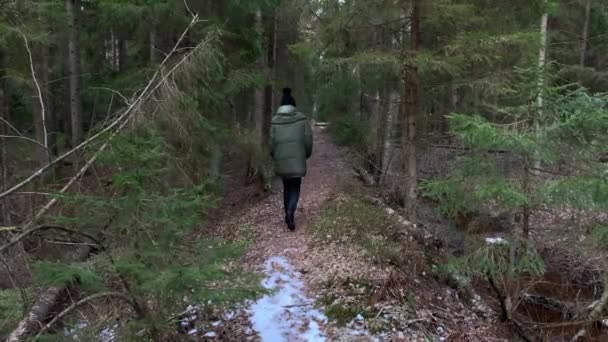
(153, 52)
(4, 206)
(271, 70)
(542, 64)
(389, 132)
(122, 54)
(51, 119)
(73, 15)
(258, 97)
(409, 122)
(383, 108)
(585, 35)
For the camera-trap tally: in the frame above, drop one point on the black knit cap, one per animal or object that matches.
(287, 98)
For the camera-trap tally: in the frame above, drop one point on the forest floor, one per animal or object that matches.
(333, 289)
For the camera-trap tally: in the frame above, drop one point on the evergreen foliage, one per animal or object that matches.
(569, 134)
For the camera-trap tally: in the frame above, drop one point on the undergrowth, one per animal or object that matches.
(348, 131)
(11, 309)
(156, 183)
(146, 224)
(350, 218)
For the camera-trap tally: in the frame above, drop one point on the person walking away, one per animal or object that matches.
(292, 142)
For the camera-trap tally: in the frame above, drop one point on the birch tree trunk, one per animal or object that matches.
(73, 17)
(542, 64)
(409, 122)
(585, 35)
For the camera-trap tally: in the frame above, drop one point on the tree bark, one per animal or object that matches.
(409, 122)
(383, 108)
(269, 101)
(51, 119)
(73, 15)
(122, 54)
(258, 97)
(526, 208)
(542, 63)
(4, 205)
(585, 35)
(390, 132)
(153, 52)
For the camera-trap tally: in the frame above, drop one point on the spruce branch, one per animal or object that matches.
(115, 127)
(123, 118)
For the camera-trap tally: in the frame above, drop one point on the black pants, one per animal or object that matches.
(291, 195)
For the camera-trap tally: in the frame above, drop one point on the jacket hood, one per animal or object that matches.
(288, 109)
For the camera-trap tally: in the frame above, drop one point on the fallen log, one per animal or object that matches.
(568, 310)
(40, 311)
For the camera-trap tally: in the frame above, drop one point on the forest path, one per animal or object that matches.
(273, 238)
(289, 259)
(287, 313)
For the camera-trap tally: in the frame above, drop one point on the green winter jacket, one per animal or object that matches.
(291, 139)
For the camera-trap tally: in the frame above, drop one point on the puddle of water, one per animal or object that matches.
(287, 313)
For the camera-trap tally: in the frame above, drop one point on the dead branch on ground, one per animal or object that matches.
(79, 303)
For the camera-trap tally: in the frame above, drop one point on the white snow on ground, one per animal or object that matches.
(286, 314)
(496, 241)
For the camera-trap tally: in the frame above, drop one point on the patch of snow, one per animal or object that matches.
(230, 315)
(210, 334)
(285, 314)
(496, 241)
(192, 332)
(108, 334)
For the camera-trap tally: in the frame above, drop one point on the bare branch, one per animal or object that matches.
(24, 138)
(124, 98)
(79, 303)
(11, 126)
(119, 122)
(41, 100)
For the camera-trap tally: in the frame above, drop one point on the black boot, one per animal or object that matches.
(291, 222)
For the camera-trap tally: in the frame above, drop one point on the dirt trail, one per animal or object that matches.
(273, 238)
(288, 312)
